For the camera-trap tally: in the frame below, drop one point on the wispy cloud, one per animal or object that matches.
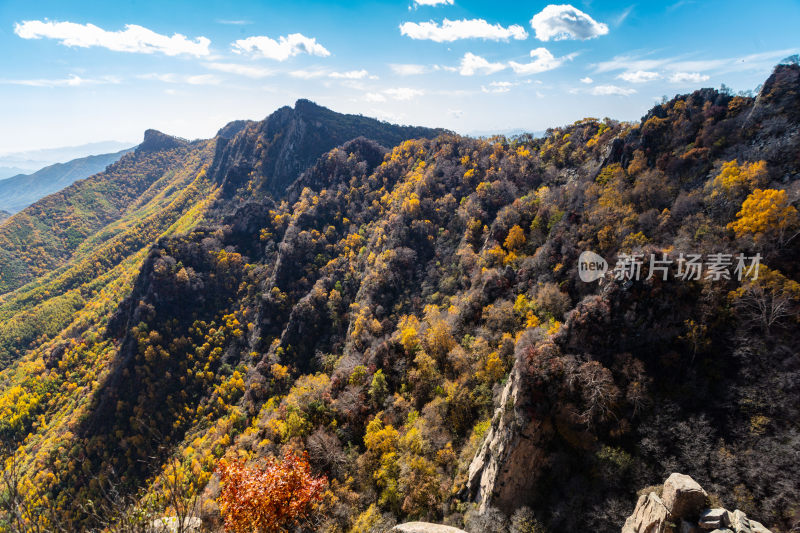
(132, 39)
(281, 49)
(624, 15)
(498, 87)
(352, 75)
(433, 3)
(248, 71)
(587, 80)
(453, 30)
(313, 73)
(397, 93)
(605, 90)
(192, 79)
(410, 69)
(71, 81)
(234, 22)
(404, 93)
(679, 4)
(632, 63)
(559, 22)
(639, 76)
(308, 74)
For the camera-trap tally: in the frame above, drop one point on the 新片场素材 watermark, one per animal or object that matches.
(685, 267)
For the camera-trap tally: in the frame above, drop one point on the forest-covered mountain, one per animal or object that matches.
(388, 323)
(20, 191)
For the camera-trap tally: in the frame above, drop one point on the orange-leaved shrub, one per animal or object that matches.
(269, 498)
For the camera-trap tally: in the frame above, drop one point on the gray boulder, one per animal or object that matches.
(683, 496)
(650, 516)
(681, 509)
(424, 527)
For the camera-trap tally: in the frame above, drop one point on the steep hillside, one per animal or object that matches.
(18, 192)
(43, 236)
(410, 314)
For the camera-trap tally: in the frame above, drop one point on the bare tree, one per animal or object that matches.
(765, 308)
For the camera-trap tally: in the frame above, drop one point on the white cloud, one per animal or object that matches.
(71, 81)
(408, 69)
(604, 90)
(688, 77)
(639, 76)
(375, 97)
(403, 93)
(395, 118)
(543, 61)
(202, 79)
(452, 30)
(306, 74)
(197, 79)
(350, 75)
(398, 93)
(455, 113)
(498, 87)
(132, 39)
(433, 2)
(241, 70)
(586, 80)
(282, 49)
(234, 22)
(559, 22)
(472, 64)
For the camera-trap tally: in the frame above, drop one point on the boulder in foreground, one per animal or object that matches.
(683, 508)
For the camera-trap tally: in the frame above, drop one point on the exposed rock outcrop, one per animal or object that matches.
(496, 475)
(424, 527)
(683, 508)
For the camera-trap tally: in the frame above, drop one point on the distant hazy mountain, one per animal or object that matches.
(7, 172)
(33, 160)
(20, 191)
(507, 133)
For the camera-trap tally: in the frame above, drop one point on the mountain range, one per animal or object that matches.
(20, 191)
(400, 310)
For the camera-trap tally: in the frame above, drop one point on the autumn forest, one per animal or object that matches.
(325, 322)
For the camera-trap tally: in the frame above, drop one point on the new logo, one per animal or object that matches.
(591, 266)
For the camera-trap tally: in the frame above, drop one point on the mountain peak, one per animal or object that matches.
(155, 141)
(229, 130)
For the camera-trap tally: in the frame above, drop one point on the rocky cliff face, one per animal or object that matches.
(511, 455)
(268, 156)
(681, 505)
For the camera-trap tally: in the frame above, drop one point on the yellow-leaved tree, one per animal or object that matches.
(767, 216)
(515, 238)
(735, 180)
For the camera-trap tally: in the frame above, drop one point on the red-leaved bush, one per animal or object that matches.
(268, 498)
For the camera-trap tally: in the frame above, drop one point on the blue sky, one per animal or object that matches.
(80, 71)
